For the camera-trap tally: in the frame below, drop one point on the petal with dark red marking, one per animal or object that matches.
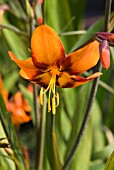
(67, 81)
(83, 59)
(42, 80)
(46, 47)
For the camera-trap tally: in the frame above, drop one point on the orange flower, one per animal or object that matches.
(49, 66)
(16, 105)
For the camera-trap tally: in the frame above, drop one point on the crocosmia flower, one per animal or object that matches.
(19, 108)
(17, 105)
(49, 66)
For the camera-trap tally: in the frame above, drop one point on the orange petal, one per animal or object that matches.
(42, 80)
(23, 74)
(20, 117)
(46, 47)
(83, 59)
(3, 92)
(27, 67)
(18, 100)
(1, 85)
(67, 81)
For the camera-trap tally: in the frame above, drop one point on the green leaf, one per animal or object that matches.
(80, 105)
(90, 32)
(61, 13)
(10, 80)
(77, 10)
(17, 9)
(110, 163)
(11, 135)
(97, 165)
(81, 158)
(104, 153)
(51, 145)
(98, 134)
(6, 161)
(15, 42)
(29, 9)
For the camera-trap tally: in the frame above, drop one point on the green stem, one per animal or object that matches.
(73, 33)
(107, 14)
(12, 28)
(92, 96)
(41, 136)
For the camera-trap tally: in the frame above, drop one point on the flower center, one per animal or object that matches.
(54, 101)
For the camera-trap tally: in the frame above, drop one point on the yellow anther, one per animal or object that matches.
(55, 98)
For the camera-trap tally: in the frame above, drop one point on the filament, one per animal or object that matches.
(52, 104)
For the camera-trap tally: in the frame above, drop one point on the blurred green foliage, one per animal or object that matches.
(98, 139)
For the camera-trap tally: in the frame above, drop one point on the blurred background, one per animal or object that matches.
(75, 22)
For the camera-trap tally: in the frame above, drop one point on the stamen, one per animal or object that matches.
(49, 105)
(55, 97)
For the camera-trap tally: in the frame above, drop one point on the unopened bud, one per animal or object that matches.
(40, 1)
(40, 20)
(105, 54)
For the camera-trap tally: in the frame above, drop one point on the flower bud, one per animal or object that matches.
(40, 20)
(105, 54)
(40, 1)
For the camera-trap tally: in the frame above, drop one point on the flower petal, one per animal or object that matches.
(42, 80)
(46, 47)
(27, 66)
(3, 92)
(19, 116)
(23, 74)
(67, 81)
(83, 59)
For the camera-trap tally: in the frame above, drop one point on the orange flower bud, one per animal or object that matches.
(40, 20)
(40, 1)
(105, 54)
